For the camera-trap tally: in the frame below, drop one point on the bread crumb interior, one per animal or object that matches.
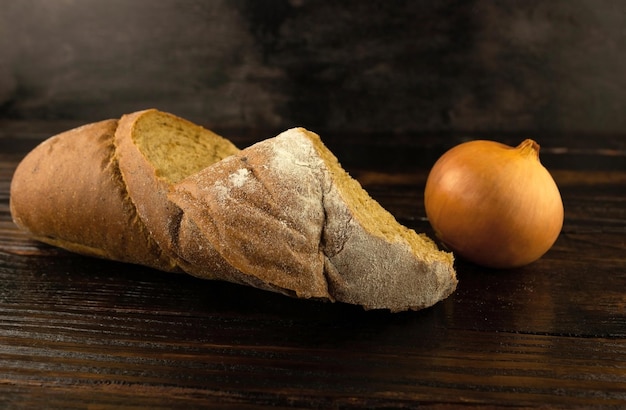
(370, 214)
(178, 148)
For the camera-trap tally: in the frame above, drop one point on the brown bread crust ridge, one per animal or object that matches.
(280, 215)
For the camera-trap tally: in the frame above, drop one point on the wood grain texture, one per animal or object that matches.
(77, 332)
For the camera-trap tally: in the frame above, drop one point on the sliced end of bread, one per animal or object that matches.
(175, 147)
(371, 259)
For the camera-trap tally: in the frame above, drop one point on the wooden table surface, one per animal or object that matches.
(77, 332)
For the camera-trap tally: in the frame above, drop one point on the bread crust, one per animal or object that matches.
(260, 221)
(68, 192)
(147, 191)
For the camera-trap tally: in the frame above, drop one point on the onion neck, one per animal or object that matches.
(529, 148)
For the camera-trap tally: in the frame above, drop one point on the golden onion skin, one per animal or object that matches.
(494, 205)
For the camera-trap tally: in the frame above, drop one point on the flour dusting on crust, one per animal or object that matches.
(239, 177)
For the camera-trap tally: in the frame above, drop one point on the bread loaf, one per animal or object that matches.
(280, 215)
(70, 192)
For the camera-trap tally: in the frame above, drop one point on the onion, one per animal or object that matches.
(494, 205)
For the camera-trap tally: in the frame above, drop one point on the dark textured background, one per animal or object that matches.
(376, 65)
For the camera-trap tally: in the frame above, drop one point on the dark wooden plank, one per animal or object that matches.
(77, 332)
(83, 326)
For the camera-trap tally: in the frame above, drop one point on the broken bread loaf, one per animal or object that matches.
(287, 215)
(280, 215)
